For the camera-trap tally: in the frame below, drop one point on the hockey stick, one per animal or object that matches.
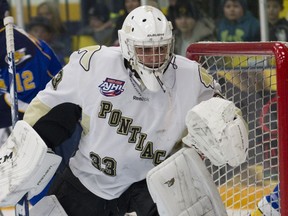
(8, 22)
(22, 207)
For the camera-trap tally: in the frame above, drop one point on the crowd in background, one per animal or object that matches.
(237, 20)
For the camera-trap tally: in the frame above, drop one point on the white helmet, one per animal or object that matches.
(146, 30)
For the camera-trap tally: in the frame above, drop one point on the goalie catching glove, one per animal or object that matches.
(25, 165)
(217, 131)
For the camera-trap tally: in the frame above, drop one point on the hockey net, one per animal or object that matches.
(254, 76)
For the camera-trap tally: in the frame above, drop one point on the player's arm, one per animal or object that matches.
(56, 110)
(208, 88)
(215, 126)
(54, 125)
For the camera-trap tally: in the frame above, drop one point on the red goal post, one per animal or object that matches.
(255, 76)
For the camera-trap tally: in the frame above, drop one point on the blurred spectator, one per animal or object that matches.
(206, 7)
(153, 3)
(278, 27)
(129, 5)
(190, 26)
(100, 28)
(254, 8)
(237, 24)
(171, 11)
(50, 10)
(41, 28)
(116, 8)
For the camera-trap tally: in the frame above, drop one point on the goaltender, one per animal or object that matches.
(132, 102)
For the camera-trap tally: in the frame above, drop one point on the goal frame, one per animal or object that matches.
(280, 51)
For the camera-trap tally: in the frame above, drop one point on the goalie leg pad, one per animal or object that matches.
(181, 185)
(25, 166)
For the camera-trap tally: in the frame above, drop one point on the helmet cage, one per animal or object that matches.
(150, 65)
(152, 56)
(147, 42)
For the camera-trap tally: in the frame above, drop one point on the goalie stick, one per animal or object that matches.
(8, 23)
(21, 207)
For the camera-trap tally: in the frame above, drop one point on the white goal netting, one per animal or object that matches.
(248, 74)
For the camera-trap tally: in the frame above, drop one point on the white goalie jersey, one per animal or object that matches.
(121, 118)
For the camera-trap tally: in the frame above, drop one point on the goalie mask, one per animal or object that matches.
(147, 43)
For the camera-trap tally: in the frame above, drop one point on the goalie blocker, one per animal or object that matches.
(25, 165)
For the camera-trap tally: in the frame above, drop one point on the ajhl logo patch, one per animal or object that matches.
(111, 87)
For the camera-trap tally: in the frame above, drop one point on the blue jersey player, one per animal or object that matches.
(35, 63)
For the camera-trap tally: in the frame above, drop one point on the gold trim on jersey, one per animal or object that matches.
(87, 54)
(35, 111)
(85, 123)
(206, 78)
